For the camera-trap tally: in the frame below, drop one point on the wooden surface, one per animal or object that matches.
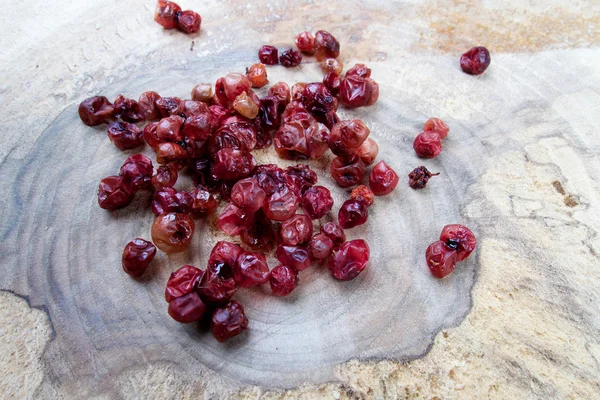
(520, 168)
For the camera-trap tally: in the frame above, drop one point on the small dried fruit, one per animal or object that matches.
(189, 21)
(283, 280)
(475, 61)
(363, 193)
(436, 125)
(232, 164)
(247, 195)
(115, 192)
(459, 238)
(281, 90)
(419, 177)
(172, 233)
(268, 55)
(368, 151)
(290, 58)
(96, 110)
(202, 92)
(125, 135)
(245, 106)
(320, 246)
(187, 309)
(138, 170)
(441, 259)
(334, 232)
(352, 213)
(305, 42)
(326, 46)
(137, 256)
(183, 281)
(257, 75)
(232, 220)
(332, 65)
(127, 109)
(217, 285)
(169, 129)
(166, 14)
(349, 260)
(281, 205)
(251, 269)
(296, 230)
(228, 321)
(317, 202)
(347, 171)
(428, 144)
(383, 180)
(297, 257)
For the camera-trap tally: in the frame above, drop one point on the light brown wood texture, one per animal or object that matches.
(520, 168)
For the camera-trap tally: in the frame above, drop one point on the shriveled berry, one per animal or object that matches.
(237, 132)
(225, 252)
(283, 280)
(217, 285)
(96, 110)
(228, 321)
(475, 61)
(232, 220)
(268, 114)
(231, 164)
(235, 84)
(302, 177)
(203, 202)
(169, 200)
(189, 21)
(297, 90)
(317, 202)
(290, 141)
(189, 108)
(436, 125)
(147, 104)
(332, 65)
(317, 99)
(296, 230)
(137, 256)
(127, 109)
(290, 58)
(251, 269)
(202, 92)
(305, 42)
(245, 106)
(172, 233)
(441, 259)
(150, 135)
(183, 281)
(368, 151)
(347, 136)
(281, 90)
(168, 152)
(428, 144)
(187, 309)
(383, 180)
(168, 105)
(198, 127)
(281, 205)
(334, 232)
(247, 195)
(356, 91)
(257, 75)
(115, 192)
(353, 212)
(138, 170)
(419, 177)
(268, 55)
(169, 129)
(317, 140)
(326, 46)
(332, 82)
(166, 14)
(165, 176)
(297, 257)
(124, 135)
(360, 70)
(349, 260)
(270, 177)
(363, 193)
(347, 171)
(320, 246)
(460, 238)
(259, 233)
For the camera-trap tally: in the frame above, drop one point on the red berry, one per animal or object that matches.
(305, 42)
(428, 144)
(259, 232)
(320, 246)
(168, 152)
(290, 58)
(168, 200)
(460, 238)
(137, 255)
(360, 70)
(353, 213)
(283, 280)
(297, 257)
(96, 110)
(326, 46)
(349, 260)
(441, 259)
(436, 125)
(268, 55)
(203, 202)
(187, 309)
(125, 135)
(296, 230)
(232, 164)
(189, 21)
(115, 192)
(166, 14)
(317, 99)
(251, 269)
(138, 170)
(217, 285)
(363, 193)
(334, 232)
(172, 233)
(202, 92)
(317, 202)
(332, 82)
(356, 91)
(147, 103)
(166, 176)
(183, 281)
(228, 321)
(347, 137)
(475, 61)
(347, 171)
(383, 180)
(281, 90)
(257, 75)
(302, 177)
(167, 105)
(281, 205)
(127, 109)
(247, 195)
(368, 151)
(232, 220)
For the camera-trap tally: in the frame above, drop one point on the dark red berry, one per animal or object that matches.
(360, 70)
(183, 281)
(172, 233)
(283, 280)
(232, 220)
(460, 238)
(228, 321)
(349, 260)
(203, 202)
(148, 108)
(166, 14)
(290, 58)
(297, 257)
(268, 55)
(217, 285)
(317, 99)
(419, 177)
(137, 256)
(168, 105)
(169, 129)
(187, 309)
(347, 171)
(150, 135)
(168, 152)
(127, 109)
(428, 144)
(189, 21)
(363, 193)
(357, 92)
(231, 164)
(334, 232)
(368, 151)
(259, 234)
(138, 170)
(436, 125)
(326, 46)
(281, 90)
(125, 135)
(96, 110)
(347, 136)
(169, 200)
(302, 176)
(320, 246)
(353, 213)
(251, 269)
(189, 108)
(383, 180)
(305, 42)
(332, 82)
(166, 176)
(296, 230)
(115, 192)
(332, 65)
(475, 61)
(317, 202)
(441, 259)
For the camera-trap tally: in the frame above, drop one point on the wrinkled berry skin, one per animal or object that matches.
(368, 151)
(217, 285)
(137, 255)
(127, 109)
(281, 90)
(317, 99)
(228, 321)
(231, 164)
(166, 176)
(347, 171)
(290, 58)
(334, 232)
(441, 259)
(332, 82)
(437, 125)
(349, 260)
(353, 213)
(259, 233)
(296, 230)
(189, 22)
(172, 233)
(283, 280)
(297, 257)
(251, 269)
(138, 169)
(383, 180)
(169, 200)
(183, 281)
(363, 193)
(187, 309)
(360, 70)
(356, 91)
(114, 192)
(124, 135)
(203, 202)
(305, 42)
(166, 14)
(428, 144)
(268, 55)
(96, 110)
(147, 103)
(419, 177)
(317, 202)
(320, 246)
(232, 220)
(347, 137)
(247, 195)
(326, 46)
(281, 205)
(302, 177)
(459, 237)
(475, 61)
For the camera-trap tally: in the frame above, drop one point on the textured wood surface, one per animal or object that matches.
(519, 168)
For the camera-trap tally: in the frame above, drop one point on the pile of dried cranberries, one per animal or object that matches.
(211, 138)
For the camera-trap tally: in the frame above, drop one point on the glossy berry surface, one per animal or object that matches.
(114, 192)
(189, 21)
(172, 233)
(356, 91)
(182, 282)
(334, 232)
(305, 42)
(297, 257)
(96, 110)
(428, 144)
(169, 200)
(281, 90)
(232, 220)
(290, 58)
(353, 212)
(302, 177)
(166, 14)
(247, 195)
(203, 202)
(320, 246)
(147, 104)
(332, 65)
(281, 205)
(124, 135)
(347, 171)
(283, 280)
(217, 285)
(418, 177)
(268, 55)
(251, 269)
(437, 125)
(441, 259)
(187, 309)
(347, 136)
(460, 238)
(368, 151)
(165, 176)
(326, 46)
(137, 256)
(228, 321)
(138, 170)
(230, 164)
(202, 92)
(475, 61)
(127, 109)
(257, 75)
(296, 230)
(349, 260)
(317, 202)
(382, 180)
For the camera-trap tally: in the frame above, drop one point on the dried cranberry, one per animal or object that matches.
(283, 280)
(203, 202)
(236, 132)
(290, 141)
(189, 21)
(127, 109)
(297, 257)
(251, 269)
(383, 180)
(147, 105)
(225, 252)
(332, 65)
(245, 106)
(347, 136)
(460, 238)
(317, 99)
(166, 176)
(332, 82)
(334, 232)
(290, 58)
(138, 169)
(228, 321)
(326, 46)
(188, 108)
(428, 144)
(168, 152)
(436, 125)
(197, 127)
(268, 55)
(235, 84)
(125, 135)
(296, 230)
(168, 105)
(248, 195)
(374, 92)
(183, 281)
(320, 246)
(349, 260)
(166, 14)
(419, 177)
(114, 192)
(232, 220)
(187, 309)
(347, 171)
(268, 113)
(259, 232)
(281, 205)
(150, 135)
(172, 233)
(302, 176)
(305, 42)
(170, 200)
(360, 70)
(217, 285)
(230, 164)
(353, 213)
(202, 92)
(355, 91)
(475, 61)
(96, 110)
(368, 151)
(169, 129)
(298, 90)
(363, 193)
(269, 177)
(257, 75)
(317, 202)
(137, 255)
(441, 259)
(317, 140)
